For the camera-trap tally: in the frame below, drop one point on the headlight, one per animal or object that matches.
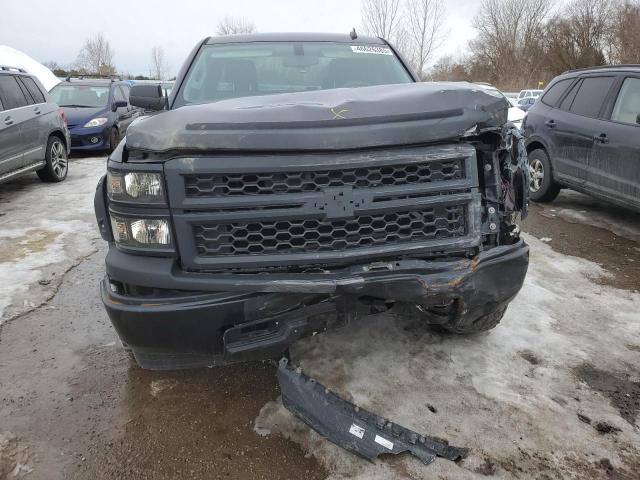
(139, 187)
(96, 122)
(141, 232)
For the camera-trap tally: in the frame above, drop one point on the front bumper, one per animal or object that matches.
(89, 139)
(187, 320)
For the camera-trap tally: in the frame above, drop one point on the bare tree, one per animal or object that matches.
(159, 68)
(96, 56)
(525, 43)
(234, 25)
(578, 35)
(449, 69)
(381, 17)
(624, 34)
(509, 49)
(385, 19)
(424, 31)
(52, 65)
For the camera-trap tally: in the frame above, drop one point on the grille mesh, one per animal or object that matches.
(214, 185)
(318, 235)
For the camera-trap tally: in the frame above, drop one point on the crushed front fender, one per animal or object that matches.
(351, 427)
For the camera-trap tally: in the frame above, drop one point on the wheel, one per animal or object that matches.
(114, 139)
(542, 186)
(57, 164)
(481, 324)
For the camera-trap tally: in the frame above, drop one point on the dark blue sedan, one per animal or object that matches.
(97, 111)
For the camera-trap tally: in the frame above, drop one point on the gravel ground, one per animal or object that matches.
(553, 392)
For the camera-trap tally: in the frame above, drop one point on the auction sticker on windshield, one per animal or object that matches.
(374, 49)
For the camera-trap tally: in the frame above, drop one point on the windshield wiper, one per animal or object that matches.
(78, 106)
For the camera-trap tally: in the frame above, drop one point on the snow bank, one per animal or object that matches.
(15, 58)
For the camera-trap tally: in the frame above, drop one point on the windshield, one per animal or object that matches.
(80, 95)
(239, 70)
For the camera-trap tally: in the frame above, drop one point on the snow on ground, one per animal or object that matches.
(511, 395)
(576, 207)
(45, 229)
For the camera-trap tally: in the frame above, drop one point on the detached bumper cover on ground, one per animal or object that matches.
(354, 428)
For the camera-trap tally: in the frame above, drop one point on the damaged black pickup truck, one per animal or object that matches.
(292, 183)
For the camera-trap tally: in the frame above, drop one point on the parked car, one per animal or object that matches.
(98, 111)
(584, 133)
(33, 133)
(525, 104)
(529, 94)
(296, 181)
(516, 114)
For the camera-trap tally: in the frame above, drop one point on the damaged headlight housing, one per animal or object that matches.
(141, 232)
(136, 187)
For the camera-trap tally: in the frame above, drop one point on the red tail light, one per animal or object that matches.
(61, 113)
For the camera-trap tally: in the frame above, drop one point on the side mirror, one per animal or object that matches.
(148, 97)
(118, 104)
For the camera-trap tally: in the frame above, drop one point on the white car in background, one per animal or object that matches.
(529, 94)
(515, 115)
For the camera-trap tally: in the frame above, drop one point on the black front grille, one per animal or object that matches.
(320, 235)
(267, 212)
(214, 185)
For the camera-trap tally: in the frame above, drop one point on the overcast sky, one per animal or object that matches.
(55, 30)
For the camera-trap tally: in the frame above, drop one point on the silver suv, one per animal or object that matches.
(33, 131)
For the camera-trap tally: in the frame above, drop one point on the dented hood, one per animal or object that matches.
(335, 119)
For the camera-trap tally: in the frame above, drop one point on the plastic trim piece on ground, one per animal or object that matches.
(351, 427)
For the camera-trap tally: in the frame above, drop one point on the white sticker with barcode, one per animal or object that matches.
(373, 49)
(384, 442)
(356, 430)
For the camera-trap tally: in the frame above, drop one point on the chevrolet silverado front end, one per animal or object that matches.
(249, 216)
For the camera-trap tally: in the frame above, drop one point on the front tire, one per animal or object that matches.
(542, 186)
(57, 163)
(482, 324)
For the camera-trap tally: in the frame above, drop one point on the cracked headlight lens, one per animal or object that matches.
(138, 187)
(141, 232)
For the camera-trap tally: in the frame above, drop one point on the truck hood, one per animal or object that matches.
(336, 119)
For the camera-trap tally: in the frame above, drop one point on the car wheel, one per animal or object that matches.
(480, 324)
(114, 139)
(542, 186)
(57, 163)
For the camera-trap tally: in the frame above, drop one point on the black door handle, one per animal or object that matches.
(602, 138)
(550, 123)
(37, 110)
(8, 121)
